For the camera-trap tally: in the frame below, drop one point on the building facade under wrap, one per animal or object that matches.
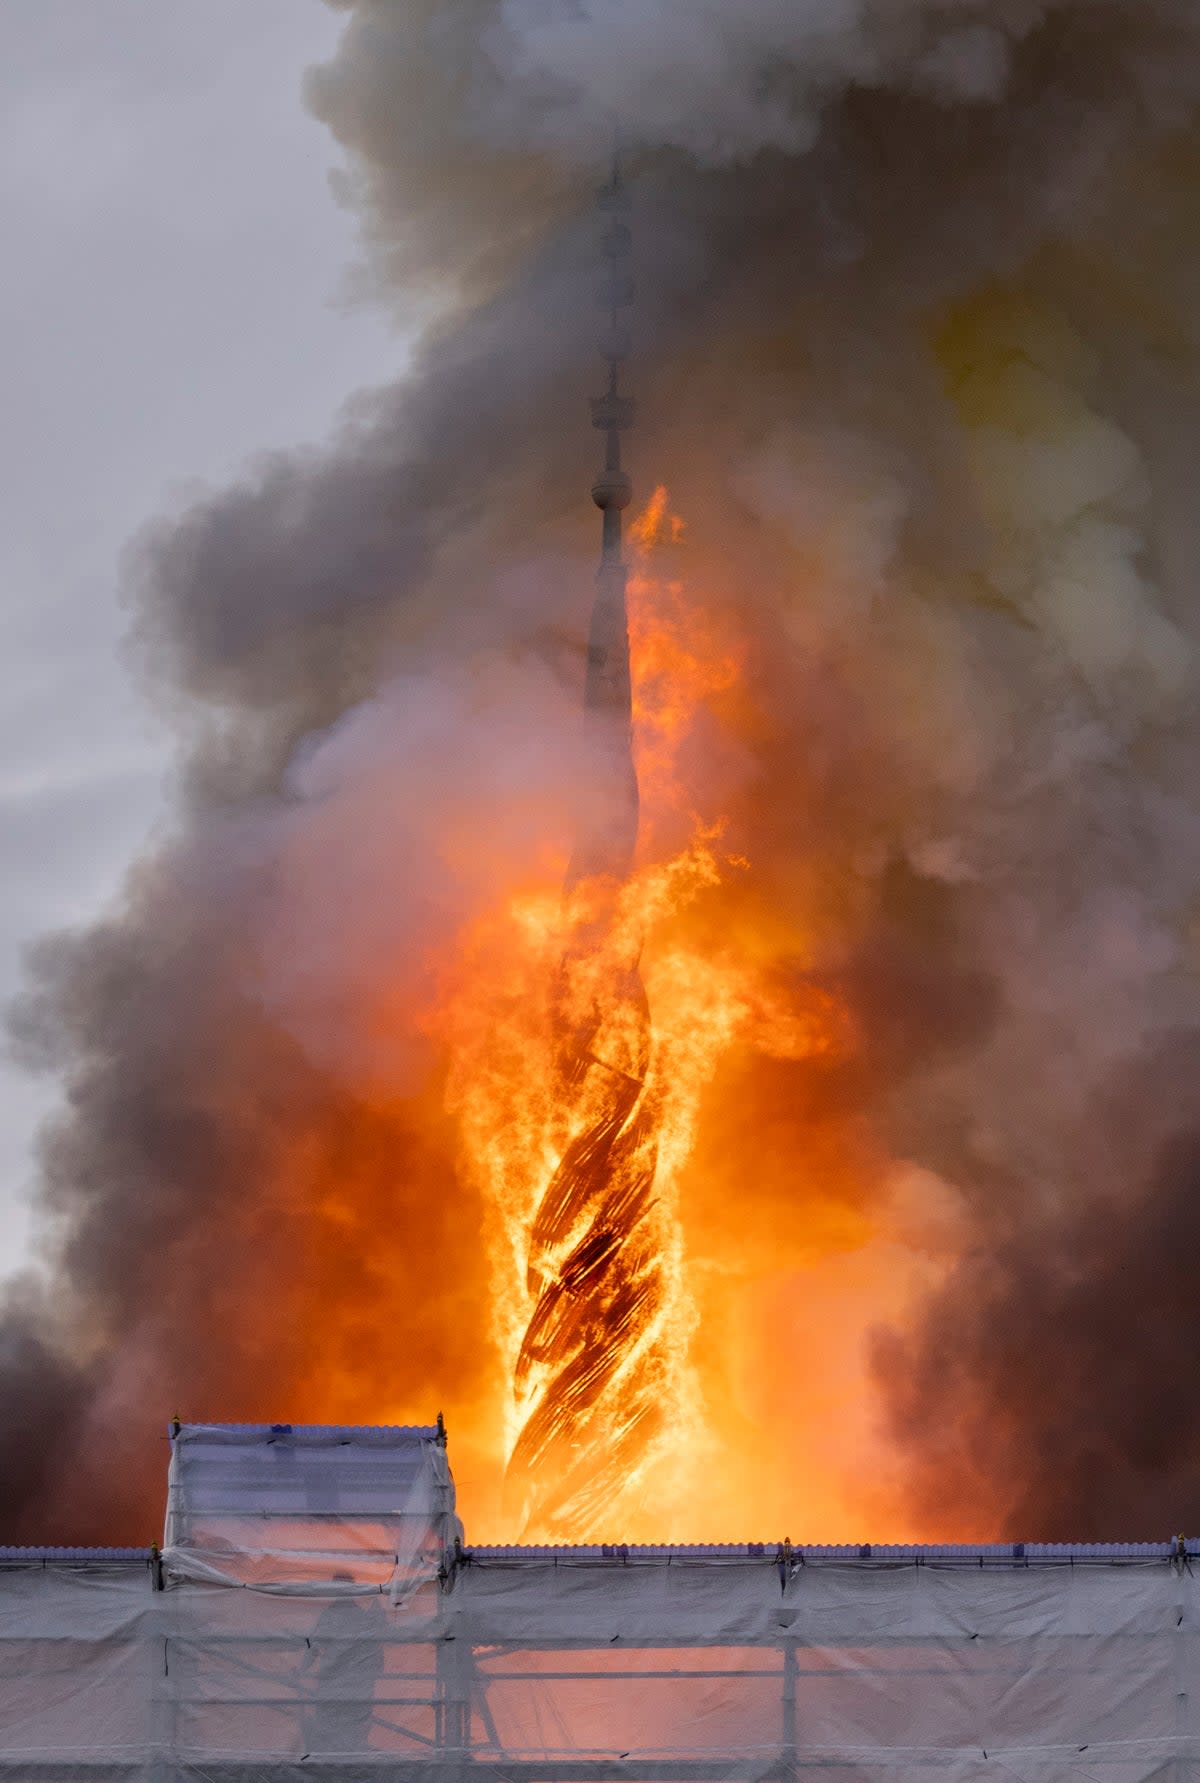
(314, 1611)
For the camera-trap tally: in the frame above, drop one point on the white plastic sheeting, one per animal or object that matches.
(575, 1665)
(549, 1671)
(284, 1506)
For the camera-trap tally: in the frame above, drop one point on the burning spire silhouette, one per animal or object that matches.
(585, 1375)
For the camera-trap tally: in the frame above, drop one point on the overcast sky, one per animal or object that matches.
(173, 298)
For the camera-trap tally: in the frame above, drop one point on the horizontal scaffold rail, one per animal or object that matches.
(76, 1556)
(991, 1554)
(502, 1770)
(986, 1554)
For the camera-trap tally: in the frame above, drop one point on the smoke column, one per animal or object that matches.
(917, 301)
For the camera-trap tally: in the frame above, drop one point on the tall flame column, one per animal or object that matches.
(589, 1372)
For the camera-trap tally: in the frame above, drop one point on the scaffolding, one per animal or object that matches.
(326, 1651)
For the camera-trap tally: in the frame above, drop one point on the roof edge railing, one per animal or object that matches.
(795, 1555)
(13, 1556)
(978, 1554)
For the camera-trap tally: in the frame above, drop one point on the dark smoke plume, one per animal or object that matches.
(917, 300)
(1046, 1389)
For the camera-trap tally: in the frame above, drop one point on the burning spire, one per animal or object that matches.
(590, 1365)
(607, 832)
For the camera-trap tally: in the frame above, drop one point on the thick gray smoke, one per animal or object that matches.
(916, 356)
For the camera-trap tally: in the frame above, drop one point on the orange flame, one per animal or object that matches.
(502, 1084)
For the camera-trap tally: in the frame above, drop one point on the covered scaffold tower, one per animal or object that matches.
(313, 1610)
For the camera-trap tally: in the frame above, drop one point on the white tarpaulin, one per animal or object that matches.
(286, 1506)
(580, 1665)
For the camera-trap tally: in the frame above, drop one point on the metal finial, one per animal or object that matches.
(613, 412)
